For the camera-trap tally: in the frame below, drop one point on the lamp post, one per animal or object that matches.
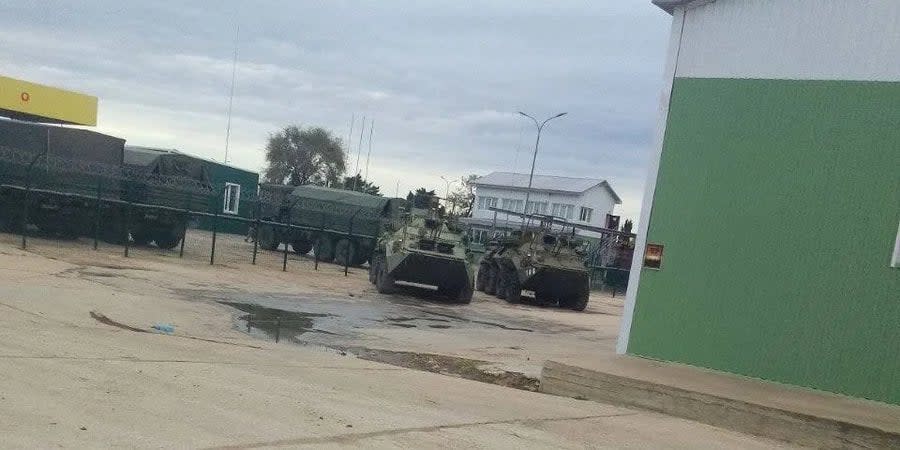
(540, 127)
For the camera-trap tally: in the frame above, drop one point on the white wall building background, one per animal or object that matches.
(577, 200)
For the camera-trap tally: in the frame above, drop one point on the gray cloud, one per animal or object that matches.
(441, 79)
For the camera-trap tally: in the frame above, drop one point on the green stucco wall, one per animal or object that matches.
(778, 204)
(219, 174)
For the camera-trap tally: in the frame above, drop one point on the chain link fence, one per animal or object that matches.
(59, 205)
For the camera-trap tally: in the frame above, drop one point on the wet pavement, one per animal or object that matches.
(489, 333)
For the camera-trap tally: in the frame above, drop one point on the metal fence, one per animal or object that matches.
(59, 204)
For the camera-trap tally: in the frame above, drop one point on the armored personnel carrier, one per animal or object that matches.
(427, 249)
(544, 259)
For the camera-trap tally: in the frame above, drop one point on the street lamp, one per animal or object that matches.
(540, 127)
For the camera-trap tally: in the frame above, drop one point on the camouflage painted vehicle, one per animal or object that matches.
(69, 169)
(428, 250)
(337, 224)
(540, 259)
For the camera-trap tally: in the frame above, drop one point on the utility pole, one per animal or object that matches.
(369, 154)
(537, 142)
(231, 94)
(358, 151)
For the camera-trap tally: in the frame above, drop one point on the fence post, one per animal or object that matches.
(256, 230)
(277, 328)
(97, 214)
(287, 234)
(349, 242)
(25, 212)
(212, 253)
(187, 217)
(320, 236)
(27, 203)
(127, 227)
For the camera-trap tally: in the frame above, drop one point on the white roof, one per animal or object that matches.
(552, 183)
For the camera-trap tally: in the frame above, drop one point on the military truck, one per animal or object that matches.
(51, 160)
(170, 179)
(428, 250)
(66, 169)
(338, 225)
(542, 258)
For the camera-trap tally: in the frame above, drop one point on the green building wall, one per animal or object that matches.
(219, 174)
(778, 204)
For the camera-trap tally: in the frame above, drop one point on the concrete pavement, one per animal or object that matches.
(72, 380)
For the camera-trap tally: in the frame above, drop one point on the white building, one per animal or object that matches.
(578, 200)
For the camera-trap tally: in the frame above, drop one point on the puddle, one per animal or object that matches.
(481, 322)
(272, 321)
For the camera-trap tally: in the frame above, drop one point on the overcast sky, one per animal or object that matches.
(441, 79)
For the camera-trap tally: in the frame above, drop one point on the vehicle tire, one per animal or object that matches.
(580, 300)
(374, 267)
(513, 287)
(268, 239)
(481, 278)
(542, 298)
(345, 252)
(490, 280)
(383, 280)
(141, 237)
(500, 277)
(362, 255)
(167, 240)
(464, 295)
(324, 249)
(301, 246)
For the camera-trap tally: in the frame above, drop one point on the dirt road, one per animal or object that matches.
(81, 366)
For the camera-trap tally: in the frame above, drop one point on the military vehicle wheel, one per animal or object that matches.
(361, 257)
(512, 287)
(580, 301)
(345, 252)
(374, 267)
(167, 240)
(464, 295)
(301, 246)
(383, 280)
(324, 249)
(490, 280)
(267, 238)
(140, 237)
(500, 282)
(481, 279)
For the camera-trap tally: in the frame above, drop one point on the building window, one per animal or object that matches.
(512, 205)
(585, 215)
(232, 198)
(487, 202)
(536, 207)
(564, 210)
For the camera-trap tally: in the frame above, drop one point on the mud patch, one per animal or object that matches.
(101, 274)
(470, 369)
(107, 321)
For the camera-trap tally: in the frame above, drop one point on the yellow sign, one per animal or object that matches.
(35, 102)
